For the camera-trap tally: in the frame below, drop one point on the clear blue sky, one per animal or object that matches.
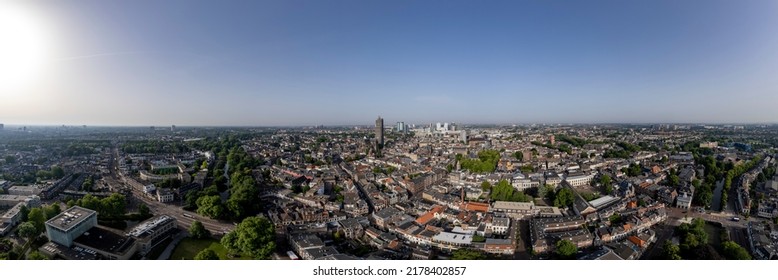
(150, 62)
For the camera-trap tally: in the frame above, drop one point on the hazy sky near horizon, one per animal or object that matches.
(187, 62)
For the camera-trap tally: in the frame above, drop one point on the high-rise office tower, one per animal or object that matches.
(379, 131)
(401, 127)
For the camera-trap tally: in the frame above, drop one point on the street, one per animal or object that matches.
(724, 218)
(185, 218)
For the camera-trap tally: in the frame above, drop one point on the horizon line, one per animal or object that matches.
(372, 125)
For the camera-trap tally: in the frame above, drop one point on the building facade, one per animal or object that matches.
(379, 131)
(70, 224)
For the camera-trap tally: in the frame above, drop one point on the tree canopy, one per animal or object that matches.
(734, 251)
(565, 249)
(485, 163)
(206, 254)
(671, 251)
(27, 230)
(693, 237)
(503, 191)
(254, 236)
(110, 207)
(210, 206)
(197, 230)
(468, 254)
(564, 197)
(38, 219)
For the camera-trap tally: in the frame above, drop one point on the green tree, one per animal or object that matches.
(671, 251)
(693, 237)
(733, 251)
(144, 210)
(210, 206)
(27, 230)
(485, 163)
(52, 210)
(564, 198)
(38, 219)
(518, 155)
(468, 254)
(197, 230)
(57, 172)
(674, 180)
(543, 191)
(113, 206)
(565, 249)
(24, 213)
(486, 186)
(254, 236)
(615, 218)
(244, 196)
(503, 191)
(90, 202)
(606, 181)
(206, 254)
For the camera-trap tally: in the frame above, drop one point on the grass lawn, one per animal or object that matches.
(189, 247)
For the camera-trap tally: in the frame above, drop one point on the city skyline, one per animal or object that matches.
(304, 63)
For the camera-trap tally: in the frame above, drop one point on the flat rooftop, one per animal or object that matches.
(71, 217)
(149, 226)
(454, 238)
(603, 201)
(105, 240)
(75, 253)
(11, 197)
(509, 205)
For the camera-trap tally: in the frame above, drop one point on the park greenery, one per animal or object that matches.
(111, 207)
(734, 251)
(206, 254)
(243, 188)
(564, 197)
(671, 251)
(485, 163)
(254, 236)
(693, 238)
(503, 191)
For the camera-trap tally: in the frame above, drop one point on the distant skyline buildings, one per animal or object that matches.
(280, 63)
(400, 127)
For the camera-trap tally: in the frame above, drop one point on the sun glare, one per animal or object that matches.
(23, 49)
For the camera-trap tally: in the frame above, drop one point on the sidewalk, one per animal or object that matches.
(169, 250)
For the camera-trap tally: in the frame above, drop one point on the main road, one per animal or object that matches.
(724, 218)
(185, 218)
